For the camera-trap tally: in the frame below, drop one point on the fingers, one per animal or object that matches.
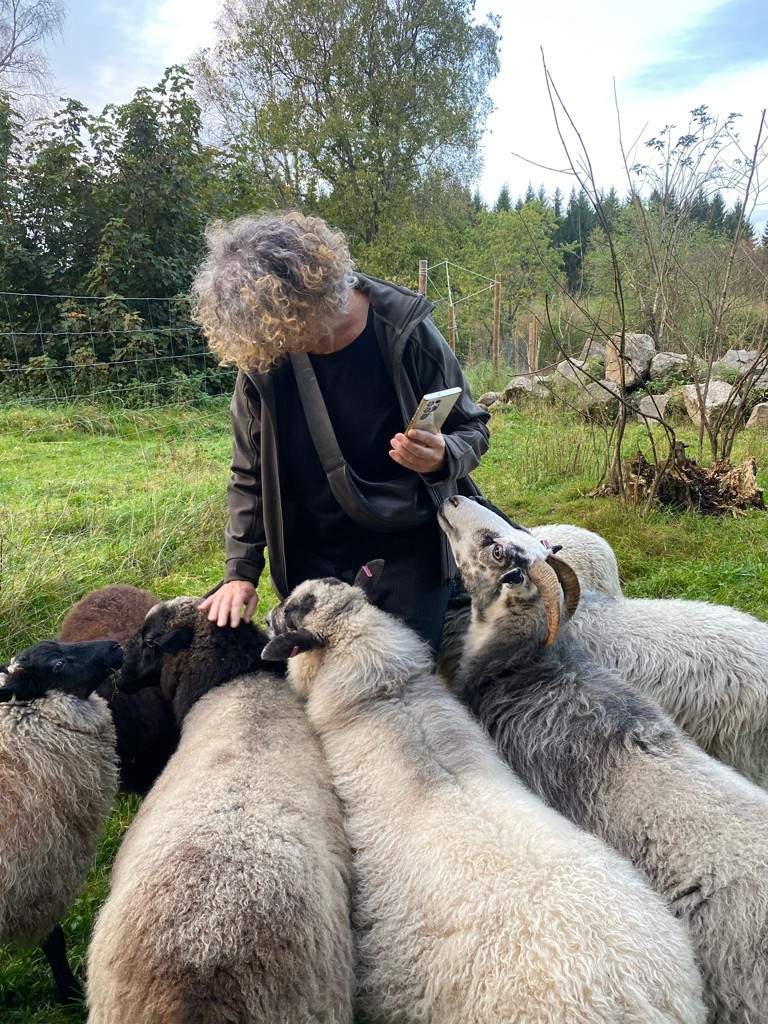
(225, 606)
(419, 450)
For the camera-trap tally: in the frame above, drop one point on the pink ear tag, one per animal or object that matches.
(367, 572)
(294, 652)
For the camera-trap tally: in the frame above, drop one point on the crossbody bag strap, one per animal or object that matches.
(316, 413)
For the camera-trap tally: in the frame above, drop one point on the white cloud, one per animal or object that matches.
(174, 29)
(592, 50)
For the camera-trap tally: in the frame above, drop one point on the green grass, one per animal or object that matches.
(90, 496)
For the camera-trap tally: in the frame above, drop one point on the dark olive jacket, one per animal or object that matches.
(420, 361)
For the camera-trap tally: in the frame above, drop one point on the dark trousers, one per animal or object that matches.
(411, 586)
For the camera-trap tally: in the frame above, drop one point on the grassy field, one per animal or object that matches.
(90, 496)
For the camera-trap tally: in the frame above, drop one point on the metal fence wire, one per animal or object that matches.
(134, 351)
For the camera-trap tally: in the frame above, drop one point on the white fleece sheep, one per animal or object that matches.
(58, 779)
(589, 555)
(474, 902)
(229, 898)
(605, 755)
(705, 664)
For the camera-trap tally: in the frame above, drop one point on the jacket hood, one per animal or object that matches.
(399, 307)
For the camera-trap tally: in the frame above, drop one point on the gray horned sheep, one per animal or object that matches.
(705, 664)
(600, 752)
(229, 897)
(474, 903)
(145, 728)
(58, 778)
(589, 555)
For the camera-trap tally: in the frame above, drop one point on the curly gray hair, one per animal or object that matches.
(270, 284)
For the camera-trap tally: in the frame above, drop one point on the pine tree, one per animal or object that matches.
(717, 212)
(731, 223)
(574, 230)
(504, 201)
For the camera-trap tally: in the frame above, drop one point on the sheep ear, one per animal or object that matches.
(175, 641)
(569, 581)
(287, 645)
(369, 575)
(7, 693)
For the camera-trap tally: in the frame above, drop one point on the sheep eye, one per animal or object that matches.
(150, 643)
(57, 666)
(498, 552)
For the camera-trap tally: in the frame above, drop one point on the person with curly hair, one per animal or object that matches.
(280, 291)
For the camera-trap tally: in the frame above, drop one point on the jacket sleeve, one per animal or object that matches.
(431, 366)
(245, 539)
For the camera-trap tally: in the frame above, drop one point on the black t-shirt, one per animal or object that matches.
(365, 413)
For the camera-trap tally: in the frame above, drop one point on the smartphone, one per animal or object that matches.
(433, 410)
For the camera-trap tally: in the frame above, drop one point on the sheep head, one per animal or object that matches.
(321, 618)
(76, 669)
(179, 650)
(505, 568)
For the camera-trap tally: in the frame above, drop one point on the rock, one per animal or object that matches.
(668, 364)
(652, 407)
(524, 386)
(740, 359)
(719, 394)
(759, 416)
(639, 350)
(489, 398)
(600, 397)
(593, 352)
(572, 370)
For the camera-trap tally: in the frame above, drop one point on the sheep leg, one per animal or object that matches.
(68, 988)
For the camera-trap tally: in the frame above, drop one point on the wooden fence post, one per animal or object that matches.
(496, 320)
(452, 327)
(422, 277)
(533, 346)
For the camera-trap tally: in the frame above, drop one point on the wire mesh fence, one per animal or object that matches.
(140, 352)
(133, 351)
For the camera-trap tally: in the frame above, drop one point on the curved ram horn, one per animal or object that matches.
(545, 578)
(569, 581)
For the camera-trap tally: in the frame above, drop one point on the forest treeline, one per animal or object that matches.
(378, 132)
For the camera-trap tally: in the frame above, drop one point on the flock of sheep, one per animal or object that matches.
(563, 822)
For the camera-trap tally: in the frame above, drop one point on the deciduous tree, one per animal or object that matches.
(351, 102)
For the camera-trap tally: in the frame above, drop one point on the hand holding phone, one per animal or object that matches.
(433, 410)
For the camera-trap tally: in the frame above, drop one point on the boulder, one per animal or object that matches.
(719, 394)
(489, 398)
(599, 398)
(740, 359)
(519, 387)
(668, 364)
(639, 350)
(572, 370)
(759, 416)
(593, 352)
(652, 407)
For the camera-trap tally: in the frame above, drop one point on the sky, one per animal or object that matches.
(622, 71)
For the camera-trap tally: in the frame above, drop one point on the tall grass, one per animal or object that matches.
(90, 496)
